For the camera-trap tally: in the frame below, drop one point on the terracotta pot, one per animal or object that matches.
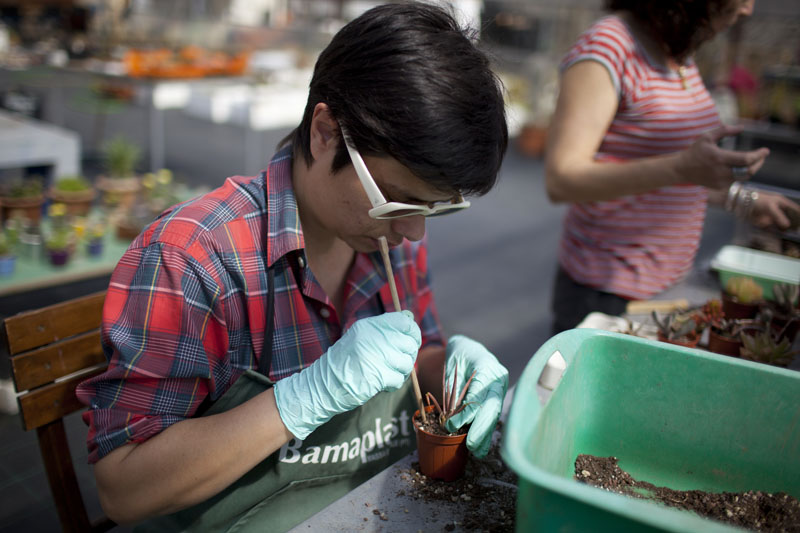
(722, 344)
(78, 203)
(121, 192)
(689, 341)
(734, 309)
(440, 456)
(30, 207)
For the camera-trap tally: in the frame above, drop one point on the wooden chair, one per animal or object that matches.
(52, 350)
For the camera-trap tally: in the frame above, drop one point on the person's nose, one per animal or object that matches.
(412, 228)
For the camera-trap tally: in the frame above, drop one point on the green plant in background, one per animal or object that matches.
(120, 156)
(8, 242)
(764, 347)
(159, 190)
(59, 239)
(680, 324)
(744, 289)
(27, 188)
(72, 184)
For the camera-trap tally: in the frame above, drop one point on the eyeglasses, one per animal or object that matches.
(381, 209)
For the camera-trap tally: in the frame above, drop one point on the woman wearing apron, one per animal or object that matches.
(255, 374)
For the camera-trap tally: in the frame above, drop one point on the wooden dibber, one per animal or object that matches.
(396, 301)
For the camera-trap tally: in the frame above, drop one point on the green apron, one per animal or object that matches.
(303, 477)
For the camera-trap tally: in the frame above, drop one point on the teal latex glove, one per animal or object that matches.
(376, 354)
(485, 394)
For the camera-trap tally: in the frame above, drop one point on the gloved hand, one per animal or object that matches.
(485, 394)
(376, 354)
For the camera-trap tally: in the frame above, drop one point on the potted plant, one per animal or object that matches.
(8, 258)
(158, 191)
(121, 185)
(75, 192)
(785, 314)
(765, 347)
(442, 455)
(23, 196)
(61, 239)
(681, 327)
(742, 297)
(94, 239)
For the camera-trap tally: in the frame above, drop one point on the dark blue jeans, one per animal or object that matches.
(573, 301)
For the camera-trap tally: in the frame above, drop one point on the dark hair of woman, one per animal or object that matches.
(681, 26)
(406, 82)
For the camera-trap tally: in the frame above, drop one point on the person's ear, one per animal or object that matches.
(324, 135)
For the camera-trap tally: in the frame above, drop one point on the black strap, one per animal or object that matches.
(265, 361)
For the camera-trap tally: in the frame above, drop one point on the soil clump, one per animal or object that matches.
(755, 510)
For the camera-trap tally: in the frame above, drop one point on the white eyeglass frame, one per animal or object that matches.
(381, 209)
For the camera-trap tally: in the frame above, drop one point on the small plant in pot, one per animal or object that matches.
(121, 185)
(94, 239)
(785, 314)
(442, 455)
(75, 192)
(61, 239)
(742, 297)
(23, 198)
(682, 327)
(8, 259)
(766, 347)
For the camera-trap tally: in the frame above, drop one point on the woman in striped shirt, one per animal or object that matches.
(634, 149)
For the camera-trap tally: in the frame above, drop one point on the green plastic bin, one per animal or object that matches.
(674, 416)
(765, 268)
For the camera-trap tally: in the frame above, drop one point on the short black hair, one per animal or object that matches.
(405, 81)
(681, 26)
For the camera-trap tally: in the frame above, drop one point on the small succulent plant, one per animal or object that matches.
(764, 347)
(786, 295)
(678, 324)
(452, 398)
(744, 289)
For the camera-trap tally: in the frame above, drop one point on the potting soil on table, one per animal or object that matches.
(756, 510)
(486, 493)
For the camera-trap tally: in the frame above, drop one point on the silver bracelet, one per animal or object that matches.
(733, 192)
(745, 202)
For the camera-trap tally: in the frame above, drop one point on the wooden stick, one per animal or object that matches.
(396, 301)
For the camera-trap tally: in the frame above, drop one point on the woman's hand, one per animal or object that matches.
(705, 163)
(772, 209)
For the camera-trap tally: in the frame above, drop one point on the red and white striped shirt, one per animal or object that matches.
(636, 246)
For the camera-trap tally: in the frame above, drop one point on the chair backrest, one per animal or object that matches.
(52, 350)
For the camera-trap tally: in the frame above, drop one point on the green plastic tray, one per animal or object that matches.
(674, 416)
(764, 267)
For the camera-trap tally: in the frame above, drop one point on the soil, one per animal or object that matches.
(487, 493)
(433, 426)
(755, 510)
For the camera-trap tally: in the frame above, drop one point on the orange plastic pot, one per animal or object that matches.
(723, 345)
(440, 456)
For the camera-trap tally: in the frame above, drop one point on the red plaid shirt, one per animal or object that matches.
(185, 311)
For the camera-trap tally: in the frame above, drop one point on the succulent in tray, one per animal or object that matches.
(744, 289)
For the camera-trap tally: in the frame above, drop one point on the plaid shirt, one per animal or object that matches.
(185, 311)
